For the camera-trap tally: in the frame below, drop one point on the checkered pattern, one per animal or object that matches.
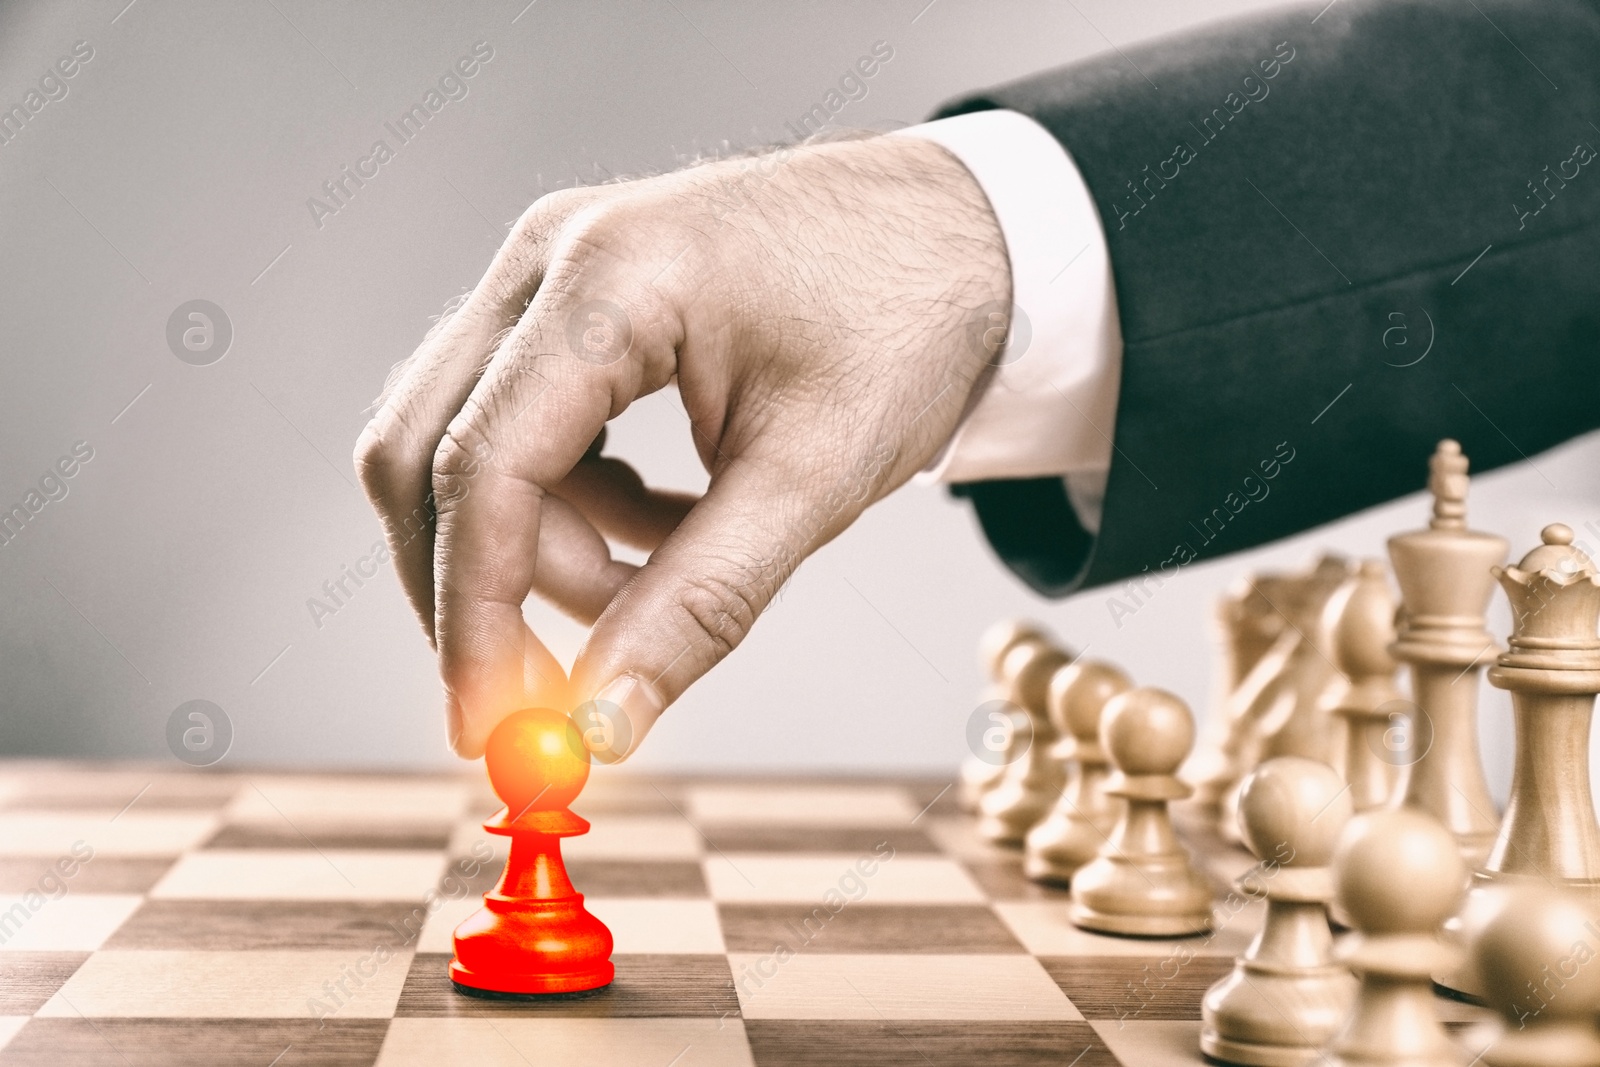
(306, 920)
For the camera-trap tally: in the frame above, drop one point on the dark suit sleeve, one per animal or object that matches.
(1335, 239)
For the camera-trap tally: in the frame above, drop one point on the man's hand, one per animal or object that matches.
(825, 310)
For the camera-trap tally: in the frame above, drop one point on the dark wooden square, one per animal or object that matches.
(670, 986)
(841, 839)
(893, 1043)
(196, 1043)
(1160, 986)
(243, 925)
(100, 874)
(1002, 879)
(28, 979)
(403, 836)
(866, 928)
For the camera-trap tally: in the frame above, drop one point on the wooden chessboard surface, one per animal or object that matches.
(305, 919)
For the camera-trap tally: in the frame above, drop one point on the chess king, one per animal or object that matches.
(533, 935)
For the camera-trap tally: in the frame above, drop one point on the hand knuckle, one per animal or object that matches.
(553, 207)
(719, 611)
(460, 455)
(384, 463)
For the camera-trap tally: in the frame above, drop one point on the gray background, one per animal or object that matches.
(180, 563)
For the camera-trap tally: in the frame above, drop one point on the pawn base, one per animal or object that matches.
(532, 948)
(530, 986)
(1128, 925)
(1010, 812)
(1267, 1015)
(1062, 845)
(1157, 896)
(1046, 871)
(1254, 1054)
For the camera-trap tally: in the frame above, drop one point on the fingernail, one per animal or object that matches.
(623, 713)
(454, 721)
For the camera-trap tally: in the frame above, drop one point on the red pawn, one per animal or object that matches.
(533, 935)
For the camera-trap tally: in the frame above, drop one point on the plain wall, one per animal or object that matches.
(180, 564)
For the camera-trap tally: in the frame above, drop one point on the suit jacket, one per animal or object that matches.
(1338, 234)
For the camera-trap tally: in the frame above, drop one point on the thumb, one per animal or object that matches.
(694, 602)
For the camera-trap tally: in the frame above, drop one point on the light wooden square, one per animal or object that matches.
(882, 987)
(1044, 930)
(241, 985)
(958, 837)
(342, 800)
(293, 874)
(513, 1042)
(801, 805)
(77, 922)
(822, 878)
(1152, 1044)
(108, 832)
(9, 1025)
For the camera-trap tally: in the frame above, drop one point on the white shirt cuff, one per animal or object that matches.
(1050, 406)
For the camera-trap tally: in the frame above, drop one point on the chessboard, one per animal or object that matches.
(155, 917)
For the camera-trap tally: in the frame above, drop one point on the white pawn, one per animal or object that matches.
(1143, 882)
(978, 775)
(1361, 639)
(1033, 780)
(1398, 874)
(1286, 996)
(1071, 835)
(1536, 964)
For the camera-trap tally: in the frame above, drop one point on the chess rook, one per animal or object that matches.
(1445, 586)
(533, 935)
(1362, 636)
(1286, 997)
(1537, 958)
(1142, 882)
(1071, 835)
(978, 776)
(1033, 778)
(1397, 875)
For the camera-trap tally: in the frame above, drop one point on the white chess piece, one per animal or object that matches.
(1397, 875)
(1033, 779)
(1286, 997)
(1445, 586)
(1537, 958)
(1143, 882)
(1071, 835)
(1552, 668)
(1361, 639)
(979, 775)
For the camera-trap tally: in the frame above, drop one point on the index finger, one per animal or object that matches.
(527, 424)
(394, 456)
